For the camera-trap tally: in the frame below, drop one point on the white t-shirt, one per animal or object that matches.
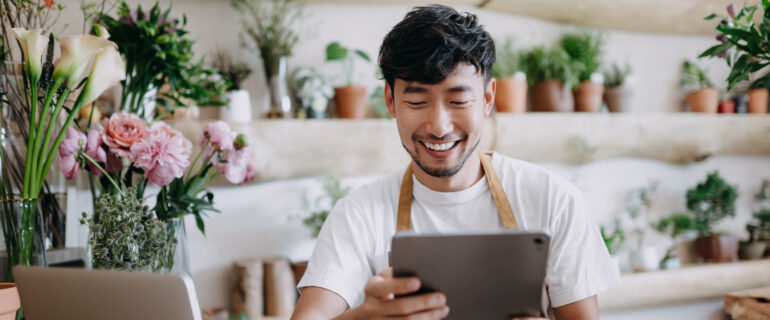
(354, 242)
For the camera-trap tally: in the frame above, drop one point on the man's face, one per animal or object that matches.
(440, 124)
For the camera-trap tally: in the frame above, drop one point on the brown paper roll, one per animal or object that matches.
(280, 291)
(247, 295)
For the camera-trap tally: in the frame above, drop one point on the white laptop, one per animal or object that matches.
(68, 293)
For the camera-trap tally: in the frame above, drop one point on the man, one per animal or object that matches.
(437, 68)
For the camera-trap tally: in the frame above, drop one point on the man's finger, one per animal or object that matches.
(410, 305)
(385, 288)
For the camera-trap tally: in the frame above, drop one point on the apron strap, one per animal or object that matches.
(507, 218)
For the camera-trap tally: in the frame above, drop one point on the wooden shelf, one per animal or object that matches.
(690, 283)
(287, 149)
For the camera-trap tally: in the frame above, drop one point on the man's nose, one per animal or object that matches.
(439, 120)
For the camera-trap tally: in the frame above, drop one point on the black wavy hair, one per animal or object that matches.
(431, 41)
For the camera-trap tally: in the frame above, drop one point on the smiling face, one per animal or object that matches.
(440, 124)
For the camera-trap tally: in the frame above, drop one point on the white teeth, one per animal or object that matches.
(440, 147)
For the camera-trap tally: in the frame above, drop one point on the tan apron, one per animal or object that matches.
(404, 219)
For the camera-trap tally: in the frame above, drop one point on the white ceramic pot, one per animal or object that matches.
(239, 107)
(645, 259)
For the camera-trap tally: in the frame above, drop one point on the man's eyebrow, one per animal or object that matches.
(462, 88)
(414, 89)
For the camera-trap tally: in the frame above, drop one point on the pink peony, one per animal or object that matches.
(239, 167)
(121, 131)
(219, 134)
(68, 148)
(162, 126)
(162, 157)
(95, 150)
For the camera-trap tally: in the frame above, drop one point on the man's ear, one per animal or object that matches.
(389, 101)
(489, 96)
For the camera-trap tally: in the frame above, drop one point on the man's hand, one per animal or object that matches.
(380, 300)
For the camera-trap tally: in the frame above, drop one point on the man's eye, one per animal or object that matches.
(415, 103)
(460, 102)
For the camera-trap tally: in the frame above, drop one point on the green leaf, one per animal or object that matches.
(335, 51)
(717, 49)
(201, 225)
(363, 55)
(765, 5)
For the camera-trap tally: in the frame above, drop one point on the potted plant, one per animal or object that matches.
(673, 226)
(700, 92)
(312, 90)
(268, 28)
(511, 94)
(585, 51)
(743, 45)
(235, 72)
(614, 241)
(644, 257)
(549, 71)
(753, 248)
(350, 99)
(709, 202)
(616, 89)
(727, 103)
(763, 214)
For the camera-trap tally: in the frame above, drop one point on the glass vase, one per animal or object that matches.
(280, 102)
(177, 259)
(23, 235)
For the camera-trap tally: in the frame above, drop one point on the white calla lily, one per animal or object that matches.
(33, 44)
(108, 70)
(76, 51)
(101, 31)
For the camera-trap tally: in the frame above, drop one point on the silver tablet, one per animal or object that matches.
(484, 276)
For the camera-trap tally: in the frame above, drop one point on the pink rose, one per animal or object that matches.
(161, 156)
(68, 148)
(95, 150)
(218, 133)
(239, 166)
(121, 131)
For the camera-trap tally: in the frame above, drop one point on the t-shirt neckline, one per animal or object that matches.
(425, 194)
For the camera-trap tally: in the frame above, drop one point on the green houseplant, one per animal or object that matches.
(351, 99)
(616, 90)
(743, 44)
(585, 51)
(333, 191)
(549, 71)
(235, 72)
(511, 94)
(699, 90)
(710, 202)
(674, 226)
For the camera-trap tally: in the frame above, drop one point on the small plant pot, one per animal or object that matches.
(704, 100)
(726, 106)
(757, 103)
(511, 95)
(752, 250)
(351, 102)
(588, 96)
(9, 301)
(719, 248)
(617, 99)
(645, 259)
(238, 108)
(671, 263)
(547, 96)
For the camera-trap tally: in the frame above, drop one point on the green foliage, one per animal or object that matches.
(675, 225)
(616, 75)
(743, 43)
(711, 201)
(336, 52)
(764, 191)
(614, 240)
(541, 63)
(125, 235)
(268, 27)
(694, 78)
(508, 60)
(227, 66)
(157, 53)
(333, 192)
(585, 51)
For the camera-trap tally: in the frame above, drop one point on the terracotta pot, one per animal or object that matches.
(588, 96)
(757, 101)
(617, 99)
(727, 106)
(511, 95)
(351, 102)
(298, 268)
(720, 248)
(704, 100)
(9, 301)
(752, 250)
(547, 96)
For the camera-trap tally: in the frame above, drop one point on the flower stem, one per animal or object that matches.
(104, 172)
(60, 136)
(28, 178)
(50, 128)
